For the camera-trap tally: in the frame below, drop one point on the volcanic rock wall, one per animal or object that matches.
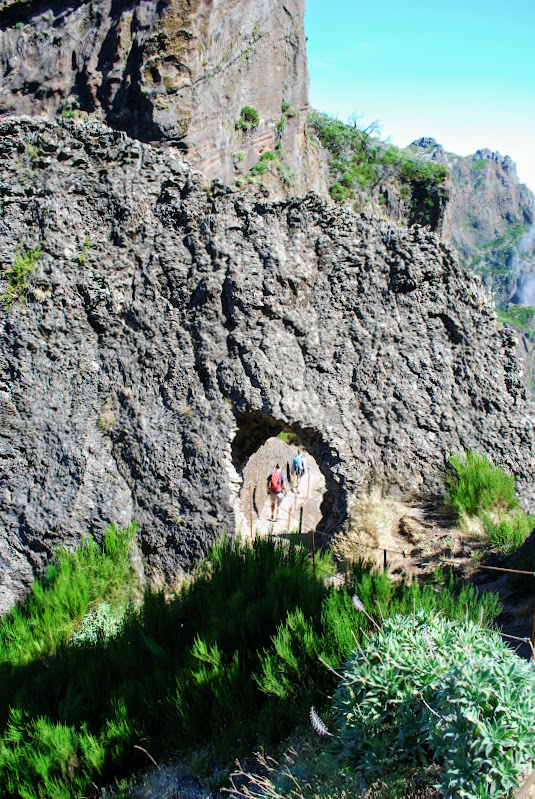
(171, 71)
(170, 331)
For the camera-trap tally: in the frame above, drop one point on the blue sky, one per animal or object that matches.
(462, 72)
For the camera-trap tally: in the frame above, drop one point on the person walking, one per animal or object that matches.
(276, 488)
(298, 467)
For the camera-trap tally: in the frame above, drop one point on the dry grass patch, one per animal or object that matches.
(473, 526)
(373, 525)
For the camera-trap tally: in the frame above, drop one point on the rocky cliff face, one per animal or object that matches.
(174, 71)
(168, 332)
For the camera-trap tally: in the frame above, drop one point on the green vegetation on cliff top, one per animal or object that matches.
(361, 162)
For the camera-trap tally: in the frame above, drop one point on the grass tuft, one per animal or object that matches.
(19, 275)
(510, 532)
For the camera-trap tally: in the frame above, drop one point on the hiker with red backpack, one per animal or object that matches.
(276, 488)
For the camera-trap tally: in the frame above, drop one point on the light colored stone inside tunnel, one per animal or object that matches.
(300, 506)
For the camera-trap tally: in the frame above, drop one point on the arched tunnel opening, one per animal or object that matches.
(318, 502)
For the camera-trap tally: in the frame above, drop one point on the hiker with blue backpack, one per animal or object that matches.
(298, 468)
(276, 488)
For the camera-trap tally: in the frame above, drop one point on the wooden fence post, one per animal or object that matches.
(251, 499)
(313, 554)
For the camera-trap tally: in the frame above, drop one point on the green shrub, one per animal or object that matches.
(248, 118)
(340, 193)
(230, 661)
(259, 168)
(510, 532)
(424, 688)
(20, 274)
(476, 485)
(77, 582)
(263, 163)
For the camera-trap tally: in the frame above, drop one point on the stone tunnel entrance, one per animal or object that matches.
(259, 444)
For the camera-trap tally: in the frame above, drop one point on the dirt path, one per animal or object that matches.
(300, 508)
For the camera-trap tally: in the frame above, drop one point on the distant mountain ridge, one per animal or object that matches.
(492, 229)
(492, 213)
(474, 201)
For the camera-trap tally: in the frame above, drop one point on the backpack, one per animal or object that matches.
(297, 464)
(275, 482)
